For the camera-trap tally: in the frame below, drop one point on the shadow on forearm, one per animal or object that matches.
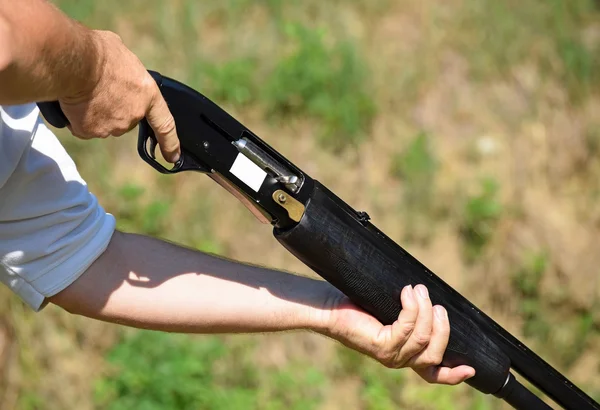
(146, 262)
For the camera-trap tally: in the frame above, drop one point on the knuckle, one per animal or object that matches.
(436, 358)
(376, 343)
(108, 36)
(389, 363)
(114, 36)
(117, 132)
(93, 132)
(76, 132)
(148, 87)
(383, 356)
(137, 116)
(128, 125)
(86, 134)
(421, 339)
(407, 329)
(431, 360)
(390, 359)
(165, 127)
(148, 83)
(377, 349)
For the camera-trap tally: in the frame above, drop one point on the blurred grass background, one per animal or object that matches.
(470, 131)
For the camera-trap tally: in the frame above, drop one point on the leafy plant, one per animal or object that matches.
(232, 81)
(528, 276)
(569, 339)
(380, 389)
(135, 214)
(527, 281)
(157, 370)
(160, 371)
(416, 165)
(481, 214)
(325, 81)
(545, 32)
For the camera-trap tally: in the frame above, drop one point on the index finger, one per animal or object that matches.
(162, 122)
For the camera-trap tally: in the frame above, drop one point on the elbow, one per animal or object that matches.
(67, 300)
(6, 46)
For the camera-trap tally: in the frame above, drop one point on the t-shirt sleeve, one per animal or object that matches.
(52, 227)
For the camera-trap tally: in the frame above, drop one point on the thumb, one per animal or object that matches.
(162, 122)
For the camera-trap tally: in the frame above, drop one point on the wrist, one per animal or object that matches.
(321, 314)
(89, 62)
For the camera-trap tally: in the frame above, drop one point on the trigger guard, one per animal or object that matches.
(145, 133)
(185, 163)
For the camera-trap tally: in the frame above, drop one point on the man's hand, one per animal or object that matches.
(122, 94)
(102, 87)
(417, 339)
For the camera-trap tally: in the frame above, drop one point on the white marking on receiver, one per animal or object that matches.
(248, 172)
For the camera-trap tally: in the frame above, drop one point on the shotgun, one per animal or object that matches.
(341, 244)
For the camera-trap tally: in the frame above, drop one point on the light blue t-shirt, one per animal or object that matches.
(51, 227)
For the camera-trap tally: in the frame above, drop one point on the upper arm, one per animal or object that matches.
(89, 293)
(52, 227)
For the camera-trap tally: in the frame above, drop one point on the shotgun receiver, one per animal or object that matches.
(342, 245)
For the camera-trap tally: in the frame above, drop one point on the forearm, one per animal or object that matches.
(147, 283)
(44, 54)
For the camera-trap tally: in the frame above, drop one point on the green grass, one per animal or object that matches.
(498, 36)
(592, 139)
(481, 213)
(564, 343)
(232, 82)
(155, 370)
(313, 75)
(528, 277)
(30, 401)
(133, 215)
(527, 281)
(326, 82)
(380, 388)
(387, 389)
(416, 166)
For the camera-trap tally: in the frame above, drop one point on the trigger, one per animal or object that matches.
(151, 146)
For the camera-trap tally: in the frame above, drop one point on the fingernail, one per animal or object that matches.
(176, 157)
(422, 291)
(410, 293)
(440, 312)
